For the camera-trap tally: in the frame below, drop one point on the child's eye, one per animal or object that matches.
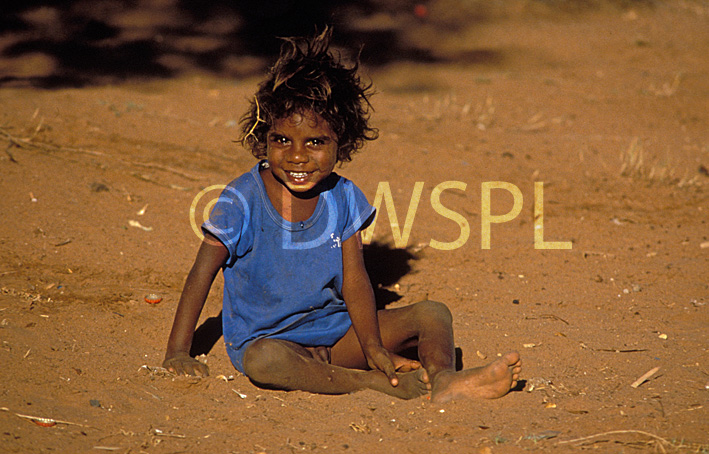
(280, 140)
(318, 142)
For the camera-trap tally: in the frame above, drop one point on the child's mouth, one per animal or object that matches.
(298, 176)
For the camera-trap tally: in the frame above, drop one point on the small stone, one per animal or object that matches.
(99, 187)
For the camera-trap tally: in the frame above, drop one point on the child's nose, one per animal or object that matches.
(298, 153)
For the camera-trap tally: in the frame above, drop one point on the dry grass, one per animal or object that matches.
(637, 164)
(660, 444)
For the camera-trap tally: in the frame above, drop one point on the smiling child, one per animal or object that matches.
(298, 307)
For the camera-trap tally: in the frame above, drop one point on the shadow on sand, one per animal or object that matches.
(52, 44)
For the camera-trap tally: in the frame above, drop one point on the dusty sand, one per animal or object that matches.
(607, 106)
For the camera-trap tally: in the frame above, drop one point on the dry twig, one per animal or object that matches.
(25, 143)
(151, 165)
(617, 432)
(643, 378)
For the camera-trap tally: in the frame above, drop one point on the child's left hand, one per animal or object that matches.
(382, 359)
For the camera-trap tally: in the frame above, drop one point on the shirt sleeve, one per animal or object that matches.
(359, 213)
(229, 222)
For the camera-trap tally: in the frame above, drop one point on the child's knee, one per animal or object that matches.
(433, 310)
(260, 359)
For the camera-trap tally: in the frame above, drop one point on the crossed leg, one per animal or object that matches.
(428, 326)
(278, 364)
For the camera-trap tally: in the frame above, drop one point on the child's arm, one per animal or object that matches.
(211, 257)
(361, 305)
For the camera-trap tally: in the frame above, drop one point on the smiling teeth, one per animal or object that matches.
(298, 174)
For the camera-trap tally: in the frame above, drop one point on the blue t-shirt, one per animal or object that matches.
(284, 279)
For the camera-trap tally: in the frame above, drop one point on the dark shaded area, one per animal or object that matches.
(84, 42)
(458, 358)
(206, 336)
(521, 384)
(412, 353)
(385, 266)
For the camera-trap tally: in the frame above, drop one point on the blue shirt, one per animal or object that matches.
(284, 279)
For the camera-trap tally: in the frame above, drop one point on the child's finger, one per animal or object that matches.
(390, 371)
(380, 359)
(393, 379)
(188, 367)
(173, 367)
(200, 369)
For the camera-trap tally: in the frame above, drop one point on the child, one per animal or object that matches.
(299, 310)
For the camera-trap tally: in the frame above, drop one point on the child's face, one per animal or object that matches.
(301, 151)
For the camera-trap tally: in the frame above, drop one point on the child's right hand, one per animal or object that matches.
(184, 364)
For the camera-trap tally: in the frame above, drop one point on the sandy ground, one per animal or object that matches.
(607, 106)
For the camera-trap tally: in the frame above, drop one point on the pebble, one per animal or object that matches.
(153, 298)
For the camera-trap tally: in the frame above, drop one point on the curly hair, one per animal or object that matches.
(308, 77)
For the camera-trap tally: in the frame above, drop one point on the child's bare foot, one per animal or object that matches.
(488, 382)
(411, 385)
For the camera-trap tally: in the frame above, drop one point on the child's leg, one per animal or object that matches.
(278, 364)
(428, 324)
